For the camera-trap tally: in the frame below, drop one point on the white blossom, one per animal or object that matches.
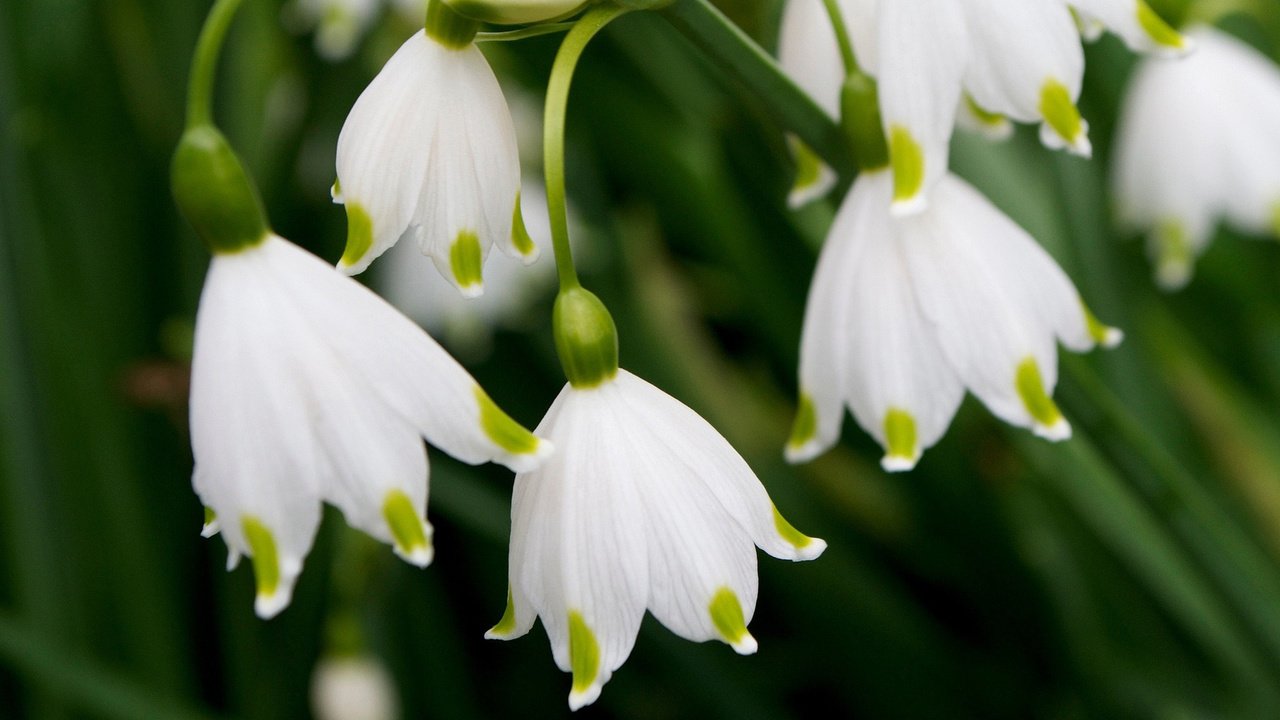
(905, 313)
(1199, 140)
(429, 150)
(358, 687)
(307, 387)
(643, 506)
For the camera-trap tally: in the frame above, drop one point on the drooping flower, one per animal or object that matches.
(429, 150)
(1198, 140)
(643, 506)
(990, 60)
(905, 313)
(307, 387)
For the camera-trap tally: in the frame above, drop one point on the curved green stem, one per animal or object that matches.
(525, 32)
(204, 63)
(842, 37)
(553, 132)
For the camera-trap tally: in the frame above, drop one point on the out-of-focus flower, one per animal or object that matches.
(353, 688)
(338, 24)
(429, 150)
(905, 313)
(988, 59)
(1199, 140)
(307, 387)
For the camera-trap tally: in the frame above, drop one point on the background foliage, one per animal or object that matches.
(1128, 573)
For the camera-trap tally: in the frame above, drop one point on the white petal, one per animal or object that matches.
(898, 383)
(391, 358)
(923, 52)
(809, 55)
(998, 341)
(1027, 64)
(1135, 22)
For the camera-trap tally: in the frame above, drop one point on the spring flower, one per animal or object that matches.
(643, 506)
(990, 60)
(307, 387)
(338, 24)
(429, 150)
(905, 313)
(1198, 140)
(355, 687)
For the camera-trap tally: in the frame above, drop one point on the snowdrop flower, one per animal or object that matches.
(1198, 140)
(429, 150)
(358, 687)
(643, 506)
(338, 24)
(986, 60)
(307, 387)
(905, 313)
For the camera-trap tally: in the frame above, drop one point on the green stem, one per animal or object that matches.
(204, 63)
(522, 33)
(842, 37)
(553, 132)
(755, 71)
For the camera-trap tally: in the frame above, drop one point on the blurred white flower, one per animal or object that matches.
(353, 688)
(644, 505)
(905, 313)
(338, 24)
(307, 387)
(986, 59)
(429, 150)
(1199, 140)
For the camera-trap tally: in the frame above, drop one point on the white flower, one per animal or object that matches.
(353, 688)
(338, 24)
(988, 59)
(905, 313)
(644, 505)
(429, 150)
(307, 387)
(1199, 140)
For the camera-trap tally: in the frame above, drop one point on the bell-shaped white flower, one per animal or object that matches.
(643, 506)
(429, 150)
(988, 60)
(905, 313)
(307, 387)
(1199, 140)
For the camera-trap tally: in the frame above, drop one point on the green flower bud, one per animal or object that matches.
(448, 27)
(215, 193)
(517, 12)
(860, 117)
(586, 338)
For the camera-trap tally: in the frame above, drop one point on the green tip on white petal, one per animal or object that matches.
(1160, 32)
(803, 444)
(211, 526)
(522, 450)
(807, 548)
(584, 661)
(814, 179)
(726, 615)
(1102, 334)
(466, 262)
(521, 240)
(412, 533)
(906, 158)
(1063, 127)
(359, 236)
(507, 625)
(993, 126)
(1047, 419)
(273, 594)
(1174, 256)
(335, 192)
(902, 448)
(1090, 29)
